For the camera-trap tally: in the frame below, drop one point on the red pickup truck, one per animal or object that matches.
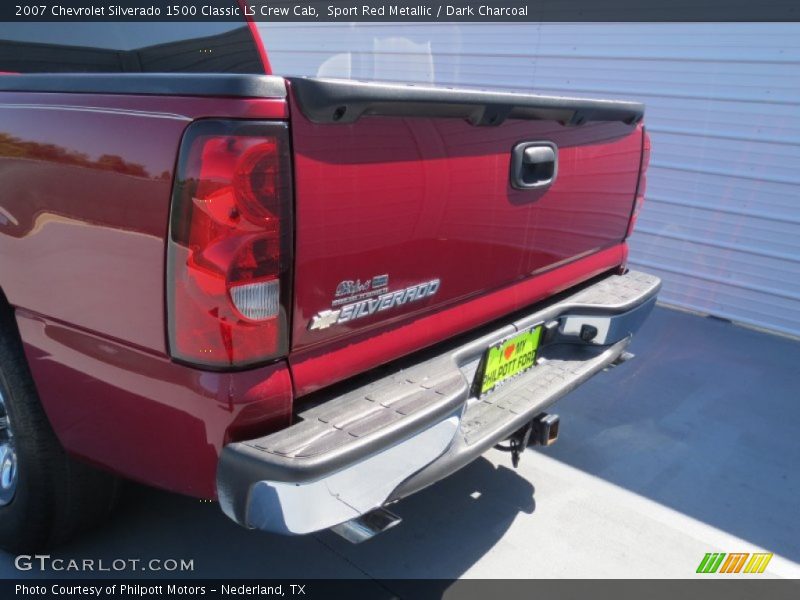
(306, 298)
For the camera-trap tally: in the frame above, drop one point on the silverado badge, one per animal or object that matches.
(361, 308)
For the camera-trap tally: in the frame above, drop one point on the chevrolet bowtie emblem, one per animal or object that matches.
(324, 319)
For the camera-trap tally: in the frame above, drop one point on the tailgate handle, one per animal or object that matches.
(534, 165)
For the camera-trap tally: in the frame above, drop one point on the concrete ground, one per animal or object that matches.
(690, 448)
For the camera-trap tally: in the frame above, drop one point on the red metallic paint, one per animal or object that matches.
(422, 198)
(85, 204)
(318, 366)
(257, 38)
(143, 416)
(83, 217)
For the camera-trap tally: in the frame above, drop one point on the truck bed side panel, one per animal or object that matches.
(84, 211)
(86, 182)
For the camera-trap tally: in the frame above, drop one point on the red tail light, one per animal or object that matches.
(641, 186)
(228, 256)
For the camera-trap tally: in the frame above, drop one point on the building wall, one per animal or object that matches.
(721, 224)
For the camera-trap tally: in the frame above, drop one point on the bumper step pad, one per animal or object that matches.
(334, 425)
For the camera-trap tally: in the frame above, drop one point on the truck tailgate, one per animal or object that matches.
(406, 199)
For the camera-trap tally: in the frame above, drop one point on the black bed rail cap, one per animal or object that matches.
(346, 101)
(159, 84)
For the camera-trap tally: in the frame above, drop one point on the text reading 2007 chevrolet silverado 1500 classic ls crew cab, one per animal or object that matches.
(306, 298)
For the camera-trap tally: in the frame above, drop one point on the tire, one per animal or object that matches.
(46, 497)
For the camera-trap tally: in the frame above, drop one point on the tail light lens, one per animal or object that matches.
(641, 186)
(230, 239)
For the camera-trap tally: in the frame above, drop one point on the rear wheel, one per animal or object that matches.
(46, 497)
(8, 456)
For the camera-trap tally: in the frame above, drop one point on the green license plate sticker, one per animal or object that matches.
(510, 358)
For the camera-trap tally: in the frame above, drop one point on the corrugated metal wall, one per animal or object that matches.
(722, 221)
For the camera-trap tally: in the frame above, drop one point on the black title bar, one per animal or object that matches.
(513, 11)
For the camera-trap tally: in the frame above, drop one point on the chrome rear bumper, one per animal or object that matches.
(381, 441)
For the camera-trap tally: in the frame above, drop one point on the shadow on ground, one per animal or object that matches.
(706, 421)
(154, 524)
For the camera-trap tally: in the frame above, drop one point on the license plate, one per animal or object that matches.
(508, 359)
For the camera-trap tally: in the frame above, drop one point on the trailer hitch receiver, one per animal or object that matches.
(541, 431)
